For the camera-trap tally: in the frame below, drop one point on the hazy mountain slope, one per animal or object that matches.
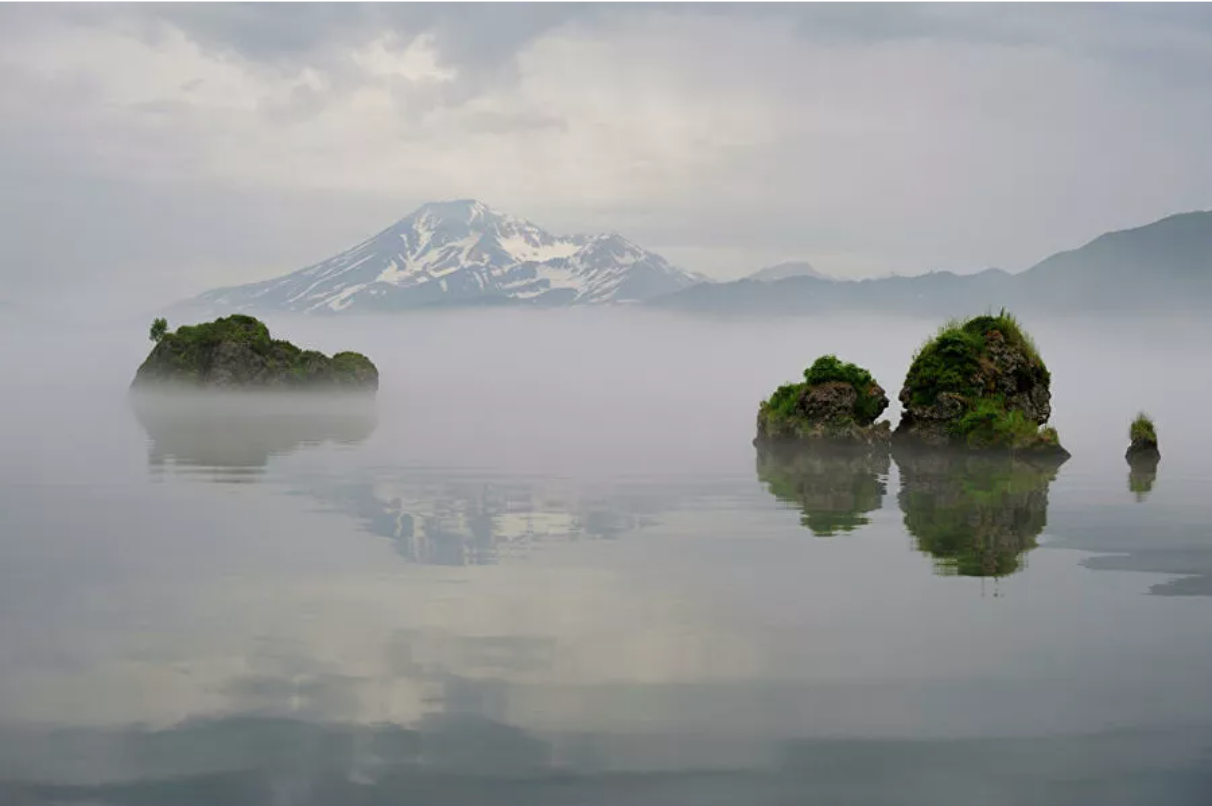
(782, 271)
(463, 252)
(1166, 264)
(935, 292)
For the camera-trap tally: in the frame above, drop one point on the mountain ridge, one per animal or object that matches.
(462, 251)
(1164, 264)
(790, 268)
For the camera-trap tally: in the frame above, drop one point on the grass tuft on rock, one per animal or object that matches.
(1142, 429)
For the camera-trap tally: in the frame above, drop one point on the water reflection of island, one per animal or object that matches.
(834, 489)
(976, 515)
(1142, 473)
(242, 432)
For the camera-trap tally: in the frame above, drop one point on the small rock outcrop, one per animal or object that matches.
(237, 353)
(837, 404)
(1143, 447)
(979, 384)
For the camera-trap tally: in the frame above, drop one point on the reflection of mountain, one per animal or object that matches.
(976, 515)
(834, 489)
(459, 521)
(241, 432)
(249, 760)
(256, 759)
(1142, 472)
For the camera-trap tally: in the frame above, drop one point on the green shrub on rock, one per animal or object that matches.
(159, 327)
(237, 352)
(1142, 429)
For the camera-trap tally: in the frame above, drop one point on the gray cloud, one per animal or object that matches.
(180, 146)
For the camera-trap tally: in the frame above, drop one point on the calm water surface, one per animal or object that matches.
(549, 567)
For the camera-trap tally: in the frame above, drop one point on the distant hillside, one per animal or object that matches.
(1162, 266)
(1167, 262)
(782, 271)
(939, 292)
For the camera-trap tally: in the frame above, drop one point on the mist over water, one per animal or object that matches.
(547, 565)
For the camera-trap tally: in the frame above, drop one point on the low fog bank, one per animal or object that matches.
(619, 390)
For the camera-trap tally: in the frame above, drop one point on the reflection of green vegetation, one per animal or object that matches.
(158, 329)
(1140, 482)
(976, 515)
(833, 489)
(1142, 473)
(208, 433)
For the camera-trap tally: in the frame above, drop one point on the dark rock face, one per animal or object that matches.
(828, 401)
(930, 424)
(979, 385)
(1143, 450)
(237, 353)
(1013, 374)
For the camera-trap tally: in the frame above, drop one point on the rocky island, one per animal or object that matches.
(835, 406)
(1143, 456)
(1143, 446)
(237, 353)
(979, 384)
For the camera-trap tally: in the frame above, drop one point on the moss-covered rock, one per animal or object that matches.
(237, 352)
(974, 514)
(1143, 446)
(979, 384)
(837, 403)
(835, 489)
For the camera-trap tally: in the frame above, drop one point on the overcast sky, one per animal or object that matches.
(180, 147)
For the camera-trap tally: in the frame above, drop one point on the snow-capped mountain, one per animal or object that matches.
(463, 252)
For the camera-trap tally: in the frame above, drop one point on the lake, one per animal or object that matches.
(548, 566)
